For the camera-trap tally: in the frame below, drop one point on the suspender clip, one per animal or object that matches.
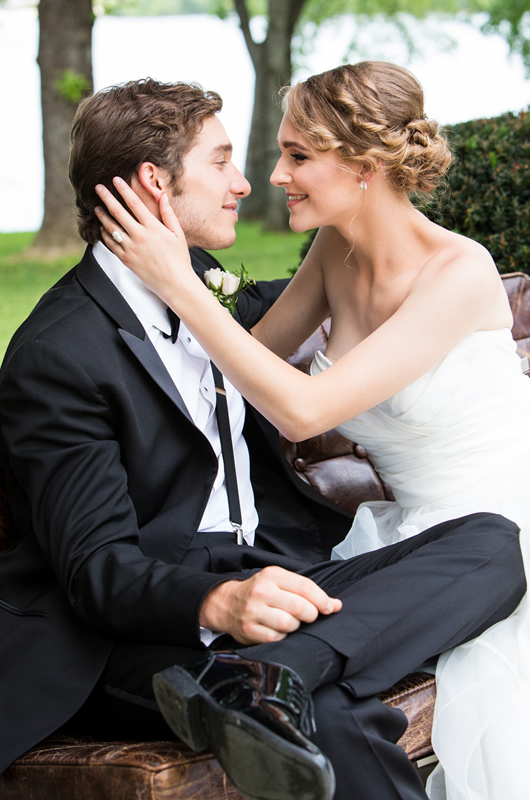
(239, 532)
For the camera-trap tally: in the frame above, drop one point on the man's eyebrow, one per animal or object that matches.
(221, 148)
(298, 146)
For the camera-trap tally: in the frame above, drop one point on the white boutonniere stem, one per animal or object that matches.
(226, 286)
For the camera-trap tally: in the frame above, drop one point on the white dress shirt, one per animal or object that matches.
(189, 367)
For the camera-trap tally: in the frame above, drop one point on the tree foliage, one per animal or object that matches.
(511, 20)
(72, 86)
(273, 64)
(489, 188)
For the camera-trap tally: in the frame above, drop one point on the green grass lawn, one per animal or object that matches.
(23, 280)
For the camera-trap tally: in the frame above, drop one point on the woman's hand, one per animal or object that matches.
(156, 251)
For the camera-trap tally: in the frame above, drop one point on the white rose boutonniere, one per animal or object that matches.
(226, 286)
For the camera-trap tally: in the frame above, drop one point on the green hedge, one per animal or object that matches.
(488, 197)
(488, 193)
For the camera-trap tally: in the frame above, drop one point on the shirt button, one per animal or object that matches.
(189, 340)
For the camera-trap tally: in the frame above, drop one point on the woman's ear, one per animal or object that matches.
(366, 174)
(153, 180)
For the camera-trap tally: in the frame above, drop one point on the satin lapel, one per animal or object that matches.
(102, 290)
(131, 330)
(146, 354)
(202, 261)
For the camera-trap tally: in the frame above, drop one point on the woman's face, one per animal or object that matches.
(321, 188)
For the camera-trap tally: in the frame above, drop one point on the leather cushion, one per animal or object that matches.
(66, 768)
(73, 768)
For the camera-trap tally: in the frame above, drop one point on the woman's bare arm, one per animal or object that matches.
(447, 305)
(300, 309)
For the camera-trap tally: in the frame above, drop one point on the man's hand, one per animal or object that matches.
(265, 607)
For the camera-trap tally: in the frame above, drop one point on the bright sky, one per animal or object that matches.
(474, 79)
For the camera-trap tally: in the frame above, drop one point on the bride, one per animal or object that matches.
(420, 367)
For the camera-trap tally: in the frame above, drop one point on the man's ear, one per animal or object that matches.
(153, 180)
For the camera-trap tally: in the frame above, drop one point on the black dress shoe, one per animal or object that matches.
(253, 717)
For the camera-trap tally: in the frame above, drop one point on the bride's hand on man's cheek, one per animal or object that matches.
(154, 250)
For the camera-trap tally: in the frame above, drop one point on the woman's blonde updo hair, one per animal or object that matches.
(372, 112)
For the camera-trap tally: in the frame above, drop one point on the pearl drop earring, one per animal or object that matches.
(363, 186)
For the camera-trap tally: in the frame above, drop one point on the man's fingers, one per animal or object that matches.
(270, 625)
(303, 587)
(258, 634)
(266, 607)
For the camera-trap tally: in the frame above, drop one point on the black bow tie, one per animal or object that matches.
(175, 324)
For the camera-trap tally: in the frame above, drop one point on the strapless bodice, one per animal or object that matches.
(467, 416)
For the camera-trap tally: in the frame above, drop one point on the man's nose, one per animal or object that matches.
(240, 186)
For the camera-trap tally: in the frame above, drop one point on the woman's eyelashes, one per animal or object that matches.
(298, 157)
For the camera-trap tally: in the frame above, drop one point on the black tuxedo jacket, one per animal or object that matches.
(108, 479)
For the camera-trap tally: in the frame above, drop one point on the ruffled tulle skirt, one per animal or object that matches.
(481, 731)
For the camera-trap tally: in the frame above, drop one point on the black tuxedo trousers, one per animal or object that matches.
(402, 605)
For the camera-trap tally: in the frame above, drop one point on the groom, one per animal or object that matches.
(127, 564)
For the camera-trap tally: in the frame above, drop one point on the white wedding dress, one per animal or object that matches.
(455, 442)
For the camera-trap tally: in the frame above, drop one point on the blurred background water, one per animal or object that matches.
(470, 78)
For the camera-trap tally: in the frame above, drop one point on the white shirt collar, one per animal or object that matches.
(148, 307)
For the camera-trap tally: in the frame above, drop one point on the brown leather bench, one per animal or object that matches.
(67, 767)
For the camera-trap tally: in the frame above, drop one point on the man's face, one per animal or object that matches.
(210, 188)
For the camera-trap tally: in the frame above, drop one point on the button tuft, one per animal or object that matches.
(300, 464)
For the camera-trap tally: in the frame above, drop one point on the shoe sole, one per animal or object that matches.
(260, 764)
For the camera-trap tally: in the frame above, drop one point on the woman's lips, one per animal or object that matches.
(294, 199)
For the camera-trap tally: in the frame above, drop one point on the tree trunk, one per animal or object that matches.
(65, 61)
(272, 63)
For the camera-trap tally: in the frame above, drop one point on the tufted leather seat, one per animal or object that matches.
(517, 286)
(67, 767)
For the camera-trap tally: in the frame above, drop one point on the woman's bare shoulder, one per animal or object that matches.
(464, 272)
(462, 259)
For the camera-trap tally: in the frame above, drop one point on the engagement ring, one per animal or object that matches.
(116, 235)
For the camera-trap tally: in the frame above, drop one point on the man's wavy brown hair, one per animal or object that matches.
(117, 129)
